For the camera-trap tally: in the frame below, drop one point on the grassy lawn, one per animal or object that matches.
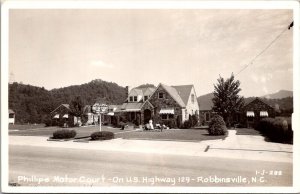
(175, 135)
(172, 134)
(48, 131)
(246, 131)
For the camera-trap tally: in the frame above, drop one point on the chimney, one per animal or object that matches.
(127, 91)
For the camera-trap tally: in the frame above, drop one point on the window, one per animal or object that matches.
(193, 98)
(171, 116)
(207, 116)
(11, 115)
(160, 95)
(135, 98)
(145, 98)
(164, 116)
(131, 99)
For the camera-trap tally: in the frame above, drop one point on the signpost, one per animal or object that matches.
(98, 109)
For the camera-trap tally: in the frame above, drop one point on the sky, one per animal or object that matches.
(59, 48)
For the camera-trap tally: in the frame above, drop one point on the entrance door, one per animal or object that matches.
(147, 115)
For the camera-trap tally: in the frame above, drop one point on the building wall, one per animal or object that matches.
(205, 116)
(192, 107)
(166, 102)
(256, 106)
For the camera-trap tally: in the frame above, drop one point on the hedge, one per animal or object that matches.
(217, 126)
(102, 135)
(64, 134)
(276, 130)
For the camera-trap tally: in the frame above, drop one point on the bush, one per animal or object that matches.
(48, 122)
(217, 126)
(170, 123)
(187, 124)
(102, 135)
(64, 134)
(277, 130)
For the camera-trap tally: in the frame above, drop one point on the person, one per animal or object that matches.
(151, 124)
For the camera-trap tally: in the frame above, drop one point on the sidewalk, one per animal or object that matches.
(234, 146)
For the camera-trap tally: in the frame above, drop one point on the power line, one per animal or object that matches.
(261, 52)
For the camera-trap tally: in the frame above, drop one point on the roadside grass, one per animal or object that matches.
(175, 135)
(247, 131)
(48, 131)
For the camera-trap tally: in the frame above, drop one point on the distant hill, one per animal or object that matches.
(33, 104)
(280, 94)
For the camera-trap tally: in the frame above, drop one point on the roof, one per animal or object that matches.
(174, 94)
(10, 111)
(250, 100)
(117, 107)
(64, 105)
(184, 92)
(132, 106)
(205, 102)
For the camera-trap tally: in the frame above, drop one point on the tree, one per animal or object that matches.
(226, 100)
(76, 106)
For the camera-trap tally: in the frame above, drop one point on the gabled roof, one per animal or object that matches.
(10, 111)
(205, 102)
(174, 94)
(184, 92)
(259, 99)
(64, 105)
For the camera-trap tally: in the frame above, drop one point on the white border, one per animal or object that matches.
(294, 5)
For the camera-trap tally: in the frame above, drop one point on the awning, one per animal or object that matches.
(56, 116)
(166, 111)
(263, 114)
(66, 116)
(110, 114)
(131, 110)
(250, 114)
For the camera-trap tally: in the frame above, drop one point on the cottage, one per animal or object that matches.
(61, 116)
(256, 110)
(163, 104)
(11, 116)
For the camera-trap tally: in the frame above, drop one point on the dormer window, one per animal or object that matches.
(131, 99)
(135, 98)
(160, 95)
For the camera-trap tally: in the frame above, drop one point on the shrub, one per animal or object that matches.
(170, 123)
(187, 124)
(64, 134)
(48, 122)
(217, 126)
(102, 135)
(277, 130)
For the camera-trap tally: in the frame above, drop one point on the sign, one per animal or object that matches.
(100, 108)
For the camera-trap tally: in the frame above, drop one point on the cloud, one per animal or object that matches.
(100, 63)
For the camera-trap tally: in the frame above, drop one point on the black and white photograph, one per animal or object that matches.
(149, 96)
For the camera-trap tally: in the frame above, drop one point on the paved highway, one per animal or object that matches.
(45, 166)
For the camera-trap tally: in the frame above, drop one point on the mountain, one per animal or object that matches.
(280, 94)
(33, 104)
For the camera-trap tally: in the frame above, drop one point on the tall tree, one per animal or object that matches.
(227, 101)
(76, 106)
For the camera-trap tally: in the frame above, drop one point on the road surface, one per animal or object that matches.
(45, 166)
